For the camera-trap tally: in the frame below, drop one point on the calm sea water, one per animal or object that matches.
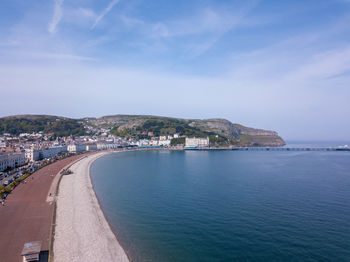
(227, 205)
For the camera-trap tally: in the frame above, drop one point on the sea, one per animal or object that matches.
(182, 206)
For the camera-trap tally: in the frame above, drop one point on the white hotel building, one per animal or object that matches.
(33, 154)
(12, 160)
(197, 142)
(74, 148)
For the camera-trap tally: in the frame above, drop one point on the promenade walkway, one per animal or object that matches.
(26, 216)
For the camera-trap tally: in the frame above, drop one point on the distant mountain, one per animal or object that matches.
(220, 131)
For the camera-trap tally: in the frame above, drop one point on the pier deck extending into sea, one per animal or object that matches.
(292, 149)
(276, 148)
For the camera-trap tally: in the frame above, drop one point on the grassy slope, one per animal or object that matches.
(137, 125)
(59, 126)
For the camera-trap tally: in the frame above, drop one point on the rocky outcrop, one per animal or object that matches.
(240, 135)
(237, 134)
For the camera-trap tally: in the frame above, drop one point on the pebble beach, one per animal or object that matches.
(82, 232)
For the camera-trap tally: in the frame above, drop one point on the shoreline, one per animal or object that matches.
(98, 200)
(82, 231)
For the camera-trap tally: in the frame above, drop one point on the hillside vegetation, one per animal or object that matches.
(58, 126)
(220, 131)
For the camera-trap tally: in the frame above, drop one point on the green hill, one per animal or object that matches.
(58, 126)
(220, 131)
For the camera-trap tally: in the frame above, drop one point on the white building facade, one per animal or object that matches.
(107, 146)
(52, 151)
(164, 142)
(91, 147)
(73, 148)
(33, 154)
(197, 142)
(12, 160)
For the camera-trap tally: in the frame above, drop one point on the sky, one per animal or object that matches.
(278, 65)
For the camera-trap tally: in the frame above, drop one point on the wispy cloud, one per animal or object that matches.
(57, 16)
(200, 31)
(106, 11)
(299, 59)
(263, 69)
(325, 65)
(206, 21)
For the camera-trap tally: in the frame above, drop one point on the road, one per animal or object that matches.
(26, 216)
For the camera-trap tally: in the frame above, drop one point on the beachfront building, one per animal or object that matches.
(12, 160)
(143, 142)
(197, 142)
(164, 142)
(52, 151)
(32, 154)
(154, 143)
(91, 147)
(73, 148)
(3, 161)
(107, 146)
(3, 144)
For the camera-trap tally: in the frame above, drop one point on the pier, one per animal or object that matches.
(276, 148)
(291, 149)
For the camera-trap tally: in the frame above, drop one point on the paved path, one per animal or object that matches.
(27, 215)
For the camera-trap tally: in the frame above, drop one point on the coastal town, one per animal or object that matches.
(31, 142)
(38, 154)
(23, 153)
(45, 182)
(174, 131)
(18, 150)
(31, 165)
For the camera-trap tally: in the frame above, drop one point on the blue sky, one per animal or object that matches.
(281, 65)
